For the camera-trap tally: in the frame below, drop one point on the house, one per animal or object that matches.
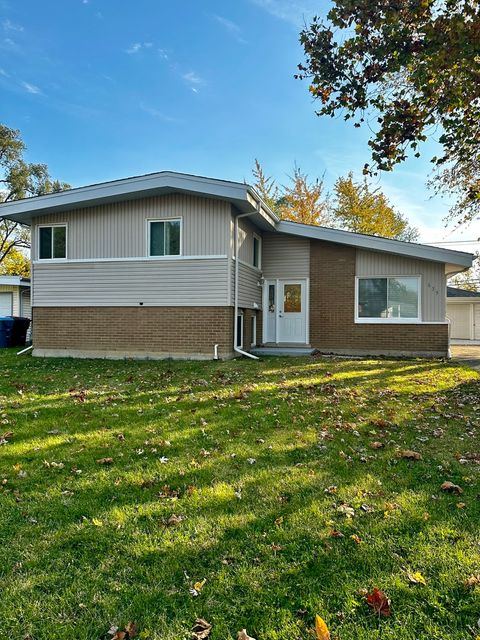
(181, 266)
(463, 312)
(15, 296)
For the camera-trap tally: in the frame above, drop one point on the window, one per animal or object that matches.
(253, 330)
(388, 299)
(257, 251)
(240, 330)
(165, 237)
(52, 242)
(292, 298)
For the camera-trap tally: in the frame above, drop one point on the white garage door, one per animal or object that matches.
(6, 304)
(460, 316)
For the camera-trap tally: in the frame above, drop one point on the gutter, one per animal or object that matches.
(235, 295)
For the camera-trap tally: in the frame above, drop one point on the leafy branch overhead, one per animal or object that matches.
(19, 179)
(412, 70)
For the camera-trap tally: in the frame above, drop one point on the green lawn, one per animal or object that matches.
(245, 456)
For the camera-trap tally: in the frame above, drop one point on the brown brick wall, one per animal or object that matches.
(169, 330)
(332, 311)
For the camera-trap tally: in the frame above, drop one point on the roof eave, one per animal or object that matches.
(374, 243)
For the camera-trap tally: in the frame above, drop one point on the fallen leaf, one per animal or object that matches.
(201, 629)
(410, 455)
(472, 581)
(131, 629)
(105, 461)
(243, 635)
(416, 578)
(198, 586)
(321, 629)
(379, 602)
(449, 487)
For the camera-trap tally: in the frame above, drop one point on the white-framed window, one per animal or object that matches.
(257, 251)
(52, 242)
(388, 299)
(165, 237)
(253, 329)
(240, 330)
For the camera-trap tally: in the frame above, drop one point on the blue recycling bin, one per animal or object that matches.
(6, 331)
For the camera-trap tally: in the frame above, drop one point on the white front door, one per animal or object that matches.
(292, 326)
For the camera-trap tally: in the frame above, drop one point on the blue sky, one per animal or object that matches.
(103, 89)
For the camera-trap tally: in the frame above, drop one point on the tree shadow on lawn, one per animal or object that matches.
(138, 567)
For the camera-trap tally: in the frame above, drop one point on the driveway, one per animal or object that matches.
(468, 354)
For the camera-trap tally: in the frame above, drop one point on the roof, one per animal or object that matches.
(15, 281)
(242, 196)
(455, 292)
(377, 243)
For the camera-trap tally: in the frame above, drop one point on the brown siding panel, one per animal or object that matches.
(172, 331)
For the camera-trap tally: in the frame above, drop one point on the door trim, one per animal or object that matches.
(277, 281)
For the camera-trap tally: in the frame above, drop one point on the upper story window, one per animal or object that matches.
(394, 299)
(165, 237)
(257, 251)
(52, 242)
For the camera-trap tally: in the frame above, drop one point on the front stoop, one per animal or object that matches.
(282, 351)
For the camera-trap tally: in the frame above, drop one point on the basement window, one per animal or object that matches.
(52, 242)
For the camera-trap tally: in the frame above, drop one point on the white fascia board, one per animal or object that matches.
(16, 281)
(374, 243)
(128, 188)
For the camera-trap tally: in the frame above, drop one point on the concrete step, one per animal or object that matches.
(282, 351)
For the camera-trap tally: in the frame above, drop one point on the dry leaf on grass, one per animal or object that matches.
(410, 455)
(379, 602)
(472, 581)
(449, 487)
(201, 629)
(416, 578)
(321, 629)
(243, 635)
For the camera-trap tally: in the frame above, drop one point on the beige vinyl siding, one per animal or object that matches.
(25, 302)
(285, 256)
(249, 293)
(153, 282)
(119, 230)
(5, 288)
(373, 263)
(245, 239)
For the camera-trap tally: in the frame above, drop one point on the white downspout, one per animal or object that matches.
(235, 294)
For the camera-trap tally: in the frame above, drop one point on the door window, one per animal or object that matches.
(292, 298)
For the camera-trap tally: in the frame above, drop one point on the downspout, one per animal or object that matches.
(235, 294)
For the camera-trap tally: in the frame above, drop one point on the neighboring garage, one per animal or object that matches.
(463, 311)
(15, 296)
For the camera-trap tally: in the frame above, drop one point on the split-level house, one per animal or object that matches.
(181, 266)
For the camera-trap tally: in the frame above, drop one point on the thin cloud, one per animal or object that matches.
(192, 78)
(295, 13)
(31, 88)
(136, 47)
(232, 28)
(156, 113)
(8, 25)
